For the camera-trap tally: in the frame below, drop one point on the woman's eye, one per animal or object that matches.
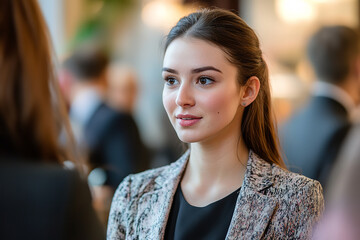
(171, 81)
(205, 81)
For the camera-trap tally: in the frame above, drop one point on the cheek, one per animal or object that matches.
(168, 102)
(222, 105)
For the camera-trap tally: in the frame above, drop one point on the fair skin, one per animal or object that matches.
(122, 89)
(205, 104)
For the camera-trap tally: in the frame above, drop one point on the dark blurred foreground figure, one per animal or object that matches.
(342, 215)
(110, 138)
(312, 137)
(39, 199)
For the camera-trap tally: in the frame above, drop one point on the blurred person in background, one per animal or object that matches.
(122, 88)
(110, 137)
(122, 95)
(312, 137)
(40, 199)
(232, 182)
(342, 215)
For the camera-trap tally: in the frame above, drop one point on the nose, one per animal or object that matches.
(185, 97)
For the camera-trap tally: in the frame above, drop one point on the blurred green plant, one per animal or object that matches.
(99, 19)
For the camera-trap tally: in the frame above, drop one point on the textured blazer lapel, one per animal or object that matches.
(153, 219)
(251, 216)
(253, 209)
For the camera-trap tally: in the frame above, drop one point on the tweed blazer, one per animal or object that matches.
(272, 204)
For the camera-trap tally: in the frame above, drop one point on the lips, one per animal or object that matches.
(187, 120)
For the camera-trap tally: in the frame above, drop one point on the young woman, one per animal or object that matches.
(39, 199)
(232, 182)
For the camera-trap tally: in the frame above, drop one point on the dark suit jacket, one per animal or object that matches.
(312, 137)
(43, 201)
(114, 144)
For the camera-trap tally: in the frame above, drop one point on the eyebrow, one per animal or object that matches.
(169, 70)
(202, 69)
(196, 70)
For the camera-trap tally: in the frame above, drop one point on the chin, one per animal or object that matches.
(189, 138)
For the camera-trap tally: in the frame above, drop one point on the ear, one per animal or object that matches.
(250, 91)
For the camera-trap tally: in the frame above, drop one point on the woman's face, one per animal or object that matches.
(201, 94)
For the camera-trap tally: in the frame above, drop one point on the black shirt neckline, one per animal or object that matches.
(210, 222)
(219, 201)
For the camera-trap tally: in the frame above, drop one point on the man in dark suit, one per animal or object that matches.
(312, 137)
(110, 137)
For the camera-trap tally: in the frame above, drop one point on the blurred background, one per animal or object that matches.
(133, 30)
(132, 33)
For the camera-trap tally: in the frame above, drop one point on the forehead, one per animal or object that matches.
(193, 52)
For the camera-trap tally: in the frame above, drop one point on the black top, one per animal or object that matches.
(209, 222)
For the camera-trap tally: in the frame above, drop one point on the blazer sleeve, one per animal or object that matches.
(118, 216)
(306, 210)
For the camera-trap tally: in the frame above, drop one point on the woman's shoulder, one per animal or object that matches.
(31, 169)
(151, 180)
(145, 178)
(286, 178)
(278, 178)
(294, 187)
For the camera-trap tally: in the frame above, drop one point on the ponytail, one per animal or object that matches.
(258, 126)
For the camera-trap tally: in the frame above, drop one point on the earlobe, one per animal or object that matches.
(250, 91)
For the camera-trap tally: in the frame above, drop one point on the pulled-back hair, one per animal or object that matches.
(331, 51)
(241, 45)
(32, 113)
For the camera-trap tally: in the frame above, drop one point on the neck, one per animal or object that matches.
(214, 171)
(216, 164)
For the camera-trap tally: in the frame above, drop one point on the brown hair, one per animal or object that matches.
(228, 31)
(332, 50)
(32, 112)
(87, 63)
